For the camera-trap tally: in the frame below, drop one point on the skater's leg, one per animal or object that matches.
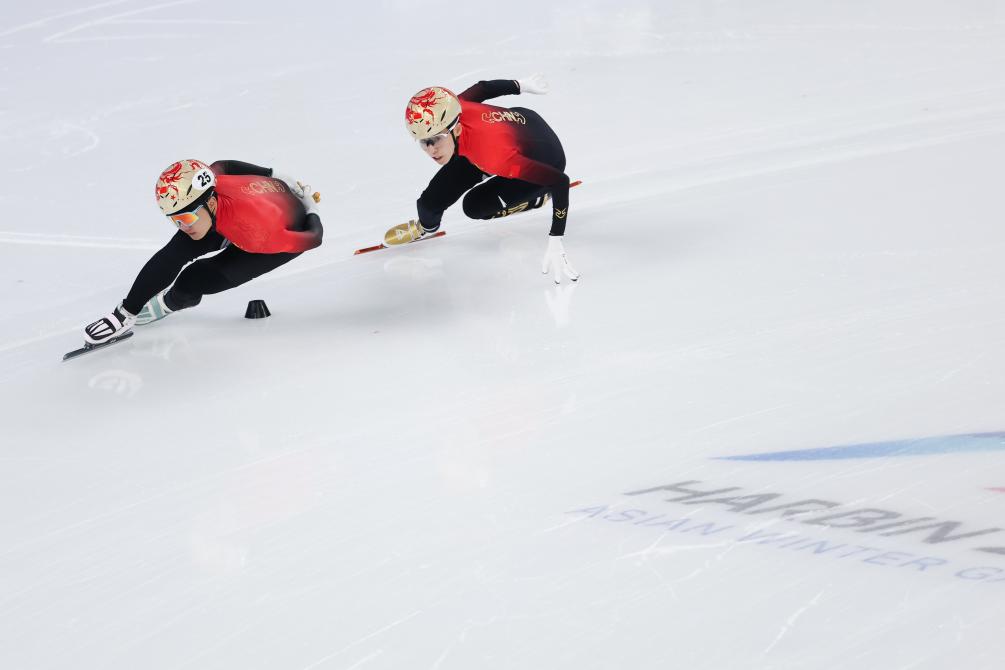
(231, 267)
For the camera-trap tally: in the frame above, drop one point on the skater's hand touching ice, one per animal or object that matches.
(556, 262)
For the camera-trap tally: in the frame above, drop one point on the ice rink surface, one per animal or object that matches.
(762, 432)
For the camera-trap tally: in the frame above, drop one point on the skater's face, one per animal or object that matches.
(441, 147)
(195, 224)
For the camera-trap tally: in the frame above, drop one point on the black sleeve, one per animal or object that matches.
(560, 207)
(485, 90)
(164, 266)
(448, 184)
(536, 172)
(240, 167)
(314, 231)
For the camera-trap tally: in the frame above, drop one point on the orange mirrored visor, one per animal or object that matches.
(184, 219)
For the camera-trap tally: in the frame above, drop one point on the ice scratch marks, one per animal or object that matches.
(366, 659)
(740, 417)
(60, 37)
(645, 557)
(86, 139)
(219, 643)
(349, 646)
(791, 621)
(76, 12)
(461, 639)
(99, 19)
(30, 143)
(776, 149)
(959, 368)
(655, 550)
(442, 657)
(465, 76)
(78, 241)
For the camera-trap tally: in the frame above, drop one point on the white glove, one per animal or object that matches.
(107, 327)
(535, 83)
(301, 190)
(309, 199)
(556, 261)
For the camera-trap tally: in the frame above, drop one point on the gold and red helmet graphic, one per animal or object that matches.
(182, 183)
(431, 111)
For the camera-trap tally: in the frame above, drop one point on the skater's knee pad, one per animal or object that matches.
(175, 299)
(198, 279)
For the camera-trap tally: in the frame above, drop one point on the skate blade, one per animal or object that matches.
(88, 348)
(378, 247)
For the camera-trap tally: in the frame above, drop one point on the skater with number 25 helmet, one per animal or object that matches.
(259, 219)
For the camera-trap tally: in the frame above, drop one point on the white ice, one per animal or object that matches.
(790, 237)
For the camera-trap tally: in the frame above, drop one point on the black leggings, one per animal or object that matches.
(499, 197)
(229, 268)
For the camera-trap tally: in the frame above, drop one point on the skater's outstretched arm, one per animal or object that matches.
(486, 90)
(233, 167)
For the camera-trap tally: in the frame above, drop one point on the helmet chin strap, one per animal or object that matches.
(450, 129)
(212, 214)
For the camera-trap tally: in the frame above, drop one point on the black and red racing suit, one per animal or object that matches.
(515, 146)
(259, 224)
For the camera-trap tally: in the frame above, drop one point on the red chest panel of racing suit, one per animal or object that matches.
(497, 141)
(490, 138)
(259, 215)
